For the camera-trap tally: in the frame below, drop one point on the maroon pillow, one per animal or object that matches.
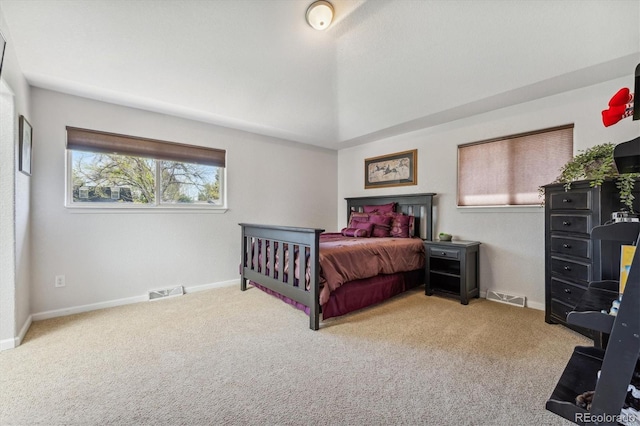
(401, 226)
(357, 232)
(382, 208)
(381, 225)
(366, 226)
(357, 217)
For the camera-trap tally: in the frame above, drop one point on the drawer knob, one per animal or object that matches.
(567, 290)
(443, 254)
(567, 268)
(566, 200)
(566, 245)
(566, 223)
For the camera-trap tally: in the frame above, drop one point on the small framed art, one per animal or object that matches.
(3, 45)
(397, 169)
(26, 140)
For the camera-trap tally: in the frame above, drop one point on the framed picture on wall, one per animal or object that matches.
(397, 169)
(26, 140)
(3, 44)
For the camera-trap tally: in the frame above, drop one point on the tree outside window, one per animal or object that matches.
(99, 177)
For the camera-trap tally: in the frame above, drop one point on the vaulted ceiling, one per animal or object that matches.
(384, 67)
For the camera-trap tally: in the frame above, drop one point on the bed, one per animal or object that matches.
(266, 249)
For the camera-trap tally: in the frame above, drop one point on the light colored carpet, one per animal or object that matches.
(226, 357)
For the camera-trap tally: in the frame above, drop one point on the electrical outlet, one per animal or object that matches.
(60, 281)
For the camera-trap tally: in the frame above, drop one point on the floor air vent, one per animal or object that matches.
(167, 292)
(506, 298)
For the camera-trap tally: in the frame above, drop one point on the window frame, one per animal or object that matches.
(156, 206)
(502, 207)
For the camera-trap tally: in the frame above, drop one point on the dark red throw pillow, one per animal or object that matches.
(401, 225)
(382, 208)
(360, 229)
(381, 225)
(357, 217)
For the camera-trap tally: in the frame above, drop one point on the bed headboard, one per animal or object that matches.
(418, 205)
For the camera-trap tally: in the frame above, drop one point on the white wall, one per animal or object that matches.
(14, 207)
(388, 57)
(112, 256)
(512, 250)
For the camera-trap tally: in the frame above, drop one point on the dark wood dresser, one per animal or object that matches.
(572, 258)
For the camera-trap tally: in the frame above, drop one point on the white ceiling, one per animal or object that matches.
(383, 68)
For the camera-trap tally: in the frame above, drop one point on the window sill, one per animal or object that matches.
(538, 208)
(146, 210)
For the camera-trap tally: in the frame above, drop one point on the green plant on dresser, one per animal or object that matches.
(596, 165)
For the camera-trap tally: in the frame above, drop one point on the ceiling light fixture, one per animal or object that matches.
(320, 14)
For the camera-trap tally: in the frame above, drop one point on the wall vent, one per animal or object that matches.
(509, 299)
(166, 292)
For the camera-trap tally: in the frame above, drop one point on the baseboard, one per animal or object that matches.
(202, 287)
(16, 341)
(120, 302)
(23, 330)
(7, 344)
(86, 308)
(535, 305)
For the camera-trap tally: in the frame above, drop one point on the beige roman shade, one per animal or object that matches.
(508, 171)
(111, 143)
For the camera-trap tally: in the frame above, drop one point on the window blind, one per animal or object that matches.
(111, 143)
(509, 170)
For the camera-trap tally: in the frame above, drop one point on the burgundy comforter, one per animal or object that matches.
(344, 259)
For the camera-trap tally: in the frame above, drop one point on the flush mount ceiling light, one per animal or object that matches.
(320, 14)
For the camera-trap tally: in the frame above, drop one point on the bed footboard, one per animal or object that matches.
(263, 261)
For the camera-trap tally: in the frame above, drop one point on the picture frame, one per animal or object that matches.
(398, 169)
(26, 145)
(3, 45)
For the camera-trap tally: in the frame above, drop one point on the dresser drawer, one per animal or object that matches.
(444, 252)
(579, 247)
(570, 269)
(575, 200)
(560, 309)
(566, 292)
(571, 223)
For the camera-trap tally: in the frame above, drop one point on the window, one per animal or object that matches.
(508, 171)
(109, 170)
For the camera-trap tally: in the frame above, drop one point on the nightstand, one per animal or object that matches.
(452, 268)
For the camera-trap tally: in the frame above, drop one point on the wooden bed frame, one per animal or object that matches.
(418, 205)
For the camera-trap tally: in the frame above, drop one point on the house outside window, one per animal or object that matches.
(83, 192)
(115, 193)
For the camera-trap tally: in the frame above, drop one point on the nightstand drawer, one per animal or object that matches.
(574, 200)
(566, 292)
(570, 269)
(572, 246)
(444, 252)
(571, 223)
